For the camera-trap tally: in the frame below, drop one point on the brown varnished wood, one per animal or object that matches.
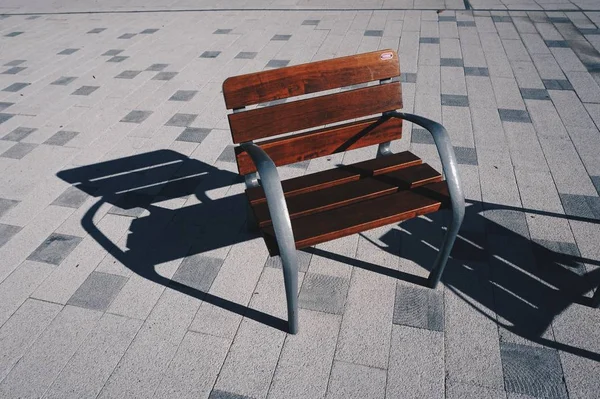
(352, 192)
(275, 84)
(338, 175)
(340, 222)
(312, 112)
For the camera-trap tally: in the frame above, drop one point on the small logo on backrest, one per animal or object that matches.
(387, 56)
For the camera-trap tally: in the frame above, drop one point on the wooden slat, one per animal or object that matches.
(313, 112)
(339, 175)
(322, 142)
(275, 84)
(349, 193)
(340, 222)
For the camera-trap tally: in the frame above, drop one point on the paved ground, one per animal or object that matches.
(115, 283)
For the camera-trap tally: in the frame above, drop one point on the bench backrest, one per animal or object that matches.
(315, 111)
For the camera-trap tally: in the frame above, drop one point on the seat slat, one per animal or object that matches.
(340, 222)
(339, 175)
(275, 84)
(312, 112)
(349, 193)
(322, 142)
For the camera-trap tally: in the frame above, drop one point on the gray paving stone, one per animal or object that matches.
(581, 205)
(5, 117)
(19, 133)
(13, 34)
(429, 40)
(548, 253)
(85, 90)
(228, 154)
(6, 205)
(181, 120)
(506, 222)
(466, 156)
(210, 54)
(374, 33)
(127, 35)
(183, 95)
(7, 232)
(451, 62)
(408, 77)
(15, 62)
(501, 18)
(55, 248)
(468, 391)
(72, 197)
(277, 63)
(222, 31)
(198, 271)
(14, 70)
(455, 100)
(136, 116)
(323, 293)
(465, 23)
(63, 80)
(97, 291)
(448, 18)
(514, 115)
(421, 136)
(595, 180)
(419, 307)
(131, 204)
(68, 51)
(113, 52)
(18, 150)
(97, 30)
(15, 87)
(218, 394)
(535, 94)
(304, 258)
(164, 76)
(128, 74)
(557, 43)
(352, 380)
(532, 371)
(61, 137)
(149, 31)
(157, 67)
(283, 38)
(557, 84)
(313, 22)
(246, 55)
(117, 58)
(193, 135)
(4, 105)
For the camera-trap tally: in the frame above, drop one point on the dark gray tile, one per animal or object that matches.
(446, 19)
(183, 95)
(19, 133)
(550, 254)
(218, 394)
(113, 52)
(246, 55)
(3, 106)
(313, 22)
(13, 34)
(455, 100)
(408, 77)
(164, 76)
(136, 116)
(5, 117)
(97, 291)
(15, 87)
(583, 206)
(534, 371)
(193, 134)
(556, 43)
(33, 17)
(55, 249)
(299, 165)
(131, 204)
(451, 62)
(592, 67)
(303, 261)
(559, 20)
(596, 181)
(222, 31)
(506, 223)
(210, 54)
(181, 120)
(14, 62)
(228, 154)
(157, 67)
(421, 136)
(514, 115)
(18, 150)
(466, 155)
(7, 232)
(501, 18)
(68, 51)
(14, 70)
(535, 94)
(117, 58)
(198, 272)
(282, 38)
(149, 31)
(419, 307)
(85, 90)
(63, 80)
(374, 33)
(323, 293)
(72, 197)
(589, 31)
(466, 23)
(127, 35)
(97, 30)
(429, 40)
(476, 71)
(128, 74)
(552, 84)
(277, 63)
(6, 205)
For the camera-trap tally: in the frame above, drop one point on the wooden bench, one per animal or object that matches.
(319, 207)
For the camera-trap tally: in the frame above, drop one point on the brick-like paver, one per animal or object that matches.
(126, 265)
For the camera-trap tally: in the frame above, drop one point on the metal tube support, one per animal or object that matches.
(282, 225)
(457, 198)
(251, 180)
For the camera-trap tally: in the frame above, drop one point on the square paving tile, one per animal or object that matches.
(584, 206)
(421, 136)
(97, 291)
(55, 248)
(113, 52)
(19, 133)
(193, 134)
(374, 33)
(183, 95)
(97, 30)
(514, 115)
(181, 120)
(429, 40)
(164, 76)
(157, 67)
(506, 223)
(210, 54)
(218, 394)
(323, 293)
(85, 90)
(128, 74)
(5, 117)
(557, 84)
(277, 63)
(72, 197)
(127, 35)
(198, 272)
(13, 34)
(131, 204)
(61, 137)
(117, 58)
(534, 371)
(451, 62)
(136, 116)
(419, 307)
(476, 71)
(6, 205)
(466, 156)
(535, 94)
(68, 51)
(465, 23)
(18, 150)
(408, 77)
(3, 105)
(14, 62)
(246, 55)
(455, 100)
(14, 70)
(222, 31)
(313, 22)
(228, 154)
(282, 38)
(304, 258)
(63, 80)
(149, 31)
(7, 232)
(15, 87)
(549, 254)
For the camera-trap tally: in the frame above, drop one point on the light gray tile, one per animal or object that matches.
(455, 390)
(85, 90)
(136, 116)
(72, 197)
(164, 76)
(61, 137)
(55, 248)
(419, 307)
(97, 291)
(355, 381)
(198, 271)
(7, 232)
(193, 134)
(128, 74)
(15, 87)
(18, 150)
(323, 293)
(183, 95)
(157, 67)
(181, 120)
(19, 133)
(218, 394)
(63, 80)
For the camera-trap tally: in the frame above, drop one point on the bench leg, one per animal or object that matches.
(290, 279)
(449, 239)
